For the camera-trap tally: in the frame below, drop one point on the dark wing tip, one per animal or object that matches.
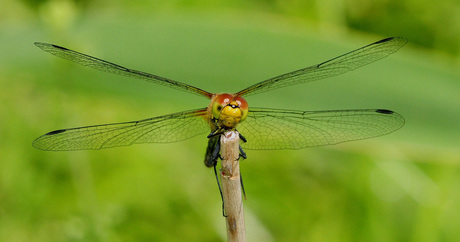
(397, 38)
(384, 40)
(384, 111)
(40, 144)
(59, 47)
(42, 45)
(56, 132)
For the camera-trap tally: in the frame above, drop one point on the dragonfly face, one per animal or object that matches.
(227, 111)
(264, 128)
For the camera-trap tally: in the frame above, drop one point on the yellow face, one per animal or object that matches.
(229, 110)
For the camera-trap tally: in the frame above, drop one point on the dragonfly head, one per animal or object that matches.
(229, 109)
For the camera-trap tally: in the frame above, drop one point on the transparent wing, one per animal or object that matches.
(163, 129)
(333, 67)
(106, 66)
(272, 129)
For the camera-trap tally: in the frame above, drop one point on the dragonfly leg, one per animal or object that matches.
(242, 187)
(242, 137)
(242, 153)
(215, 133)
(220, 190)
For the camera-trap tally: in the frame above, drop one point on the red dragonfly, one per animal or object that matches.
(263, 128)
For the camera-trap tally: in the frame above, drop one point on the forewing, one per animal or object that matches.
(163, 129)
(106, 66)
(272, 129)
(330, 68)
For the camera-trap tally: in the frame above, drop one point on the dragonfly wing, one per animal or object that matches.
(106, 66)
(271, 129)
(330, 68)
(162, 129)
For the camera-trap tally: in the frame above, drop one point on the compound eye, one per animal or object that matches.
(216, 109)
(219, 103)
(243, 107)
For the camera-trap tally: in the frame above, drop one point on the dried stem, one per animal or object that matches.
(231, 186)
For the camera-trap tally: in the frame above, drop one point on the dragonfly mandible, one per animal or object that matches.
(263, 128)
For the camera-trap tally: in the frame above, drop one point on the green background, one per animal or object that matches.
(399, 187)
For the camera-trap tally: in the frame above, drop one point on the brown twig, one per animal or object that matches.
(231, 186)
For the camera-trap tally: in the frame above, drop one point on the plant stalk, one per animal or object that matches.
(231, 186)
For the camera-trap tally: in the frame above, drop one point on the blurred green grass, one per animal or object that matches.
(399, 187)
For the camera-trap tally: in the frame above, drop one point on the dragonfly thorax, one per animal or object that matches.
(229, 110)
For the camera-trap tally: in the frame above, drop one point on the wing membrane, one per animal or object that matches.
(163, 129)
(273, 129)
(330, 68)
(106, 66)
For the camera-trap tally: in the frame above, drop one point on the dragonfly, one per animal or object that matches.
(261, 128)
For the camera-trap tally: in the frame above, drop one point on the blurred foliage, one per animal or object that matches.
(401, 187)
(434, 25)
